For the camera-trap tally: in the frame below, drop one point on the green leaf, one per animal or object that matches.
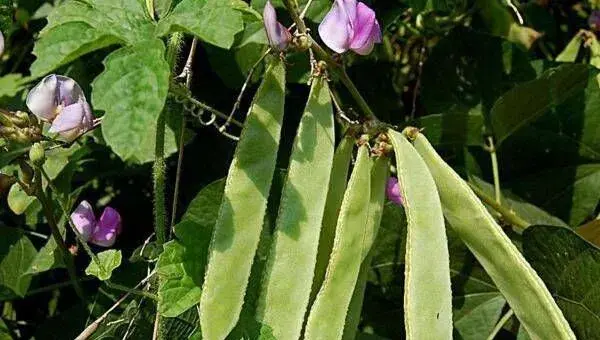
(11, 84)
(16, 254)
(316, 12)
(9, 156)
(18, 200)
(238, 228)
(427, 294)
(290, 267)
(569, 53)
(528, 101)
(570, 267)
(132, 91)
(328, 312)
(109, 261)
(76, 28)
(49, 257)
(213, 21)
(461, 128)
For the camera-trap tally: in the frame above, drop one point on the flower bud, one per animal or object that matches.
(278, 35)
(392, 191)
(37, 154)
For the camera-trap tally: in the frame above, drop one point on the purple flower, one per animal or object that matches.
(350, 25)
(1, 43)
(392, 191)
(278, 35)
(60, 101)
(594, 21)
(102, 232)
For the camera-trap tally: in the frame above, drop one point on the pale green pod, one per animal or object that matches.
(328, 313)
(427, 293)
(335, 194)
(240, 220)
(290, 268)
(379, 176)
(519, 283)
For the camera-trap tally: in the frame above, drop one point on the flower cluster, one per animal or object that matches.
(102, 232)
(60, 101)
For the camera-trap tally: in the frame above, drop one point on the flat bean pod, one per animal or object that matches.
(238, 227)
(519, 283)
(337, 185)
(290, 269)
(379, 177)
(328, 313)
(427, 293)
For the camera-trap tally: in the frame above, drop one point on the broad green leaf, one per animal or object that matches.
(528, 101)
(427, 294)
(49, 257)
(328, 312)
(316, 12)
(570, 267)
(8, 156)
(11, 84)
(214, 21)
(181, 264)
(16, 254)
(569, 53)
(4, 331)
(519, 283)
(76, 28)
(335, 195)
(18, 200)
(461, 128)
(572, 193)
(132, 91)
(500, 22)
(242, 211)
(290, 267)
(524, 209)
(379, 176)
(109, 261)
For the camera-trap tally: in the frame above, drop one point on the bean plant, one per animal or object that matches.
(299, 169)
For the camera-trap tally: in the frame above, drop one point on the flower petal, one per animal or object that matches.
(278, 35)
(336, 28)
(1, 43)
(42, 100)
(363, 26)
(84, 220)
(107, 229)
(69, 118)
(69, 92)
(392, 191)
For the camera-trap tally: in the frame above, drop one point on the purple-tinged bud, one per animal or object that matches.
(102, 232)
(350, 25)
(60, 101)
(278, 35)
(594, 21)
(392, 191)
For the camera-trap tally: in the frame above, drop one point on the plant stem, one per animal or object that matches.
(158, 174)
(49, 213)
(182, 93)
(337, 68)
(508, 215)
(495, 170)
(56, 286)
(500, 324)
(131, 290)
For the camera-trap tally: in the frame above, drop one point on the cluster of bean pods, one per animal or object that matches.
(313, 284)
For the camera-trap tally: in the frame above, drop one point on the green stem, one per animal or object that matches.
(337, 68)
(56, 286)
(158, 172)
(182, 94)
(495, 170)
(131, 290)
(509, 216)
(49, 213)
(500, 324)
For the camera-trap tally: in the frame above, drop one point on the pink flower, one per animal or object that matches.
(350, 25)
(60, 101)
(1, 43)
(278, 35)
(392, 191)
(102, 232)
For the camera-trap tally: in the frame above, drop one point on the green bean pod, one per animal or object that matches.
(291, 263)
(379, 177)
(240, 220)
(525, 292)
(337, 185)
(328, 313)
(427, 293)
